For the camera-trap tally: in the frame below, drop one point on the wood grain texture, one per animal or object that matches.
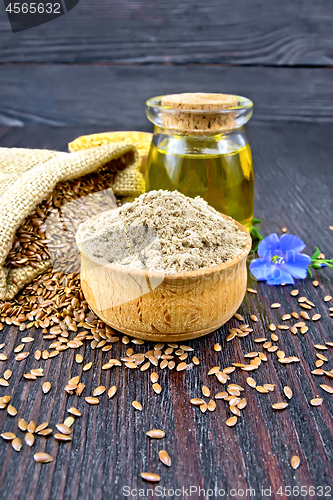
(114, 96)
(278, 32)
(109, 447)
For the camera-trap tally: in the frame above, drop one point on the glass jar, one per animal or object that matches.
(203, 152)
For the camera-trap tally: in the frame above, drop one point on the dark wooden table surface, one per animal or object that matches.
(109, 449)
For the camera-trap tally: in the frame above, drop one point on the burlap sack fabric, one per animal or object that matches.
(29, 176)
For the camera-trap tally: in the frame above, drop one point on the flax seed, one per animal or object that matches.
(29, 439)
(295, 462)
(99, 390)
(8, 436)
(231, 421)
(164, 457)
(91, 400)
(22, 425)
(42, 458)
(197, 401)
(157, 388)
(17, 444)
(316, 402)
(279, 406)
(252, 383)
(155, 434)
(221, 395)
(205, 391)
(150, 476)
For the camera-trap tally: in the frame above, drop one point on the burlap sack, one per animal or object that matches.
(28, 176)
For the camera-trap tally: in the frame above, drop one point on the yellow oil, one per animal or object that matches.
(225, 181)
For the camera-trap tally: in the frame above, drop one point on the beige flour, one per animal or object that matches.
(163, 230)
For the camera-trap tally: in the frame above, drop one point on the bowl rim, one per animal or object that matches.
(178, 275)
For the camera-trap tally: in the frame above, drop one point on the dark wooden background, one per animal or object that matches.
(101, 61)
(91, 70)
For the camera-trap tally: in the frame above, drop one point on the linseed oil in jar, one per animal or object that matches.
(200, 148)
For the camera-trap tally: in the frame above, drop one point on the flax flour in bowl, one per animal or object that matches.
(164, 266)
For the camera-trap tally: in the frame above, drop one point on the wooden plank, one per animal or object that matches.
(278, 32)
(114, 96)
(109, 447)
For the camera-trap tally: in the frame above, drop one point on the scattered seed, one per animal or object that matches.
(21, 356)
(164, 457)
(318, 372)
(274, 337)
(154, 377)
(239, 317)
(295, 462)
(221, 395)
(22, 424)
(316, 317)
(211, 405)
(205, 391)
(252, 383)
(195, 360)
(327, 298)
(272, 327)
(29, 439)
(316, 401)
(69, 421)
(155, 434)
(157, 388)
(7, 374)
(63, 429)
(11, 410)
(231, 421)
(262, 389)
(288, 392)
(112, 391)
(181, 367)
(150, 476)
(41, 427)
(276, 305)
(74, 411)
(279, 406)
(137, 405)
(46, 387)
(242, 404)
(87, 366)
(17, 444)
(8, 436)
(203, 407)
(31, 427)
(197, 401)
(327, 388)
(99, 390)
(92, 401)
(42, 458)
(62, 437)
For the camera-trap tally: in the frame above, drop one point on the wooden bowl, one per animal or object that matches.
(153, 305)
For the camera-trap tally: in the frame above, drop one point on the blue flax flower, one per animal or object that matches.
(280, 260)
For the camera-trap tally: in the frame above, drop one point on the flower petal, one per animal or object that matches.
(262, 269)
(282, 277)
(268, 246)
(297, 266)
(290, 242)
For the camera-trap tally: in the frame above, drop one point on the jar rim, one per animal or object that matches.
(243, 103)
